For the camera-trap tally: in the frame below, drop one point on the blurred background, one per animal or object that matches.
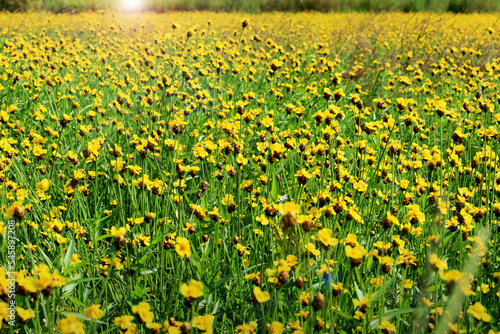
(73, 6)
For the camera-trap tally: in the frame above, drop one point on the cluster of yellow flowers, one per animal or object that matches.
(280, 173)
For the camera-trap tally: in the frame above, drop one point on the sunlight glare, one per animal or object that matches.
(131, 5)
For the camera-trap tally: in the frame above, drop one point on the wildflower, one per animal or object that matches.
(142, 312)
(311, 249)
(478, 311)
(183, 247)
(386, 263)
(303, 176)
(355, 254)
(192, 291)
(360, 186)
(70, 325)
(249, 328)
(119, 234)
(289, 211)
(363, 304)
(436, 263)
(204, 323)
(414, 215)
(262, 220)
(358, 315)
(15, 210)
(276, 328)
(93, 311)
(389, 221)
(24, 315)
(260, 296)
(154, 327)
(387, 327)
(43, 185)
(124, 322)
(326, 239)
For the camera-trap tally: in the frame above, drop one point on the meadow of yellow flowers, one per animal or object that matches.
(264, 173)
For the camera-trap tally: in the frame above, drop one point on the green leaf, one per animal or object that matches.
(345, 315)
(157, 239)
(69, 255)
(274, 189)
(86, 279)
(76, 301)
(49, 263)
(150, 271)
(138, 290)
(143, 259)
(392, 313)
(221, 281)
(83, 208)
(102, 222)
(104, 236)
(75, 267)
(70, 286)
(203, 203)
(359, 293)
(186, 197)
(431, 289)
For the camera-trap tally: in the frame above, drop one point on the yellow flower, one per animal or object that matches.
(125, 321)
(155, 327)
(143, 313)
(356, 254)
(289, 208)
(260, 296)
(118, 232)
(325, 236)
(14, 210)
(93, 311)
(70, 325)
(387, 327)
(276, 327)
(74, 259)
(24, 315)
(4, 311)
(414, 215)
(408, 284)
(43, 185)
(358, 315)
(193, 290)
(242, 250)
(204, 323)
(247, 328)
(182, 247)
(262, 220)
(252, 275)
(360, 186)
(478, 311)
(311, 249)
(436, 263)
